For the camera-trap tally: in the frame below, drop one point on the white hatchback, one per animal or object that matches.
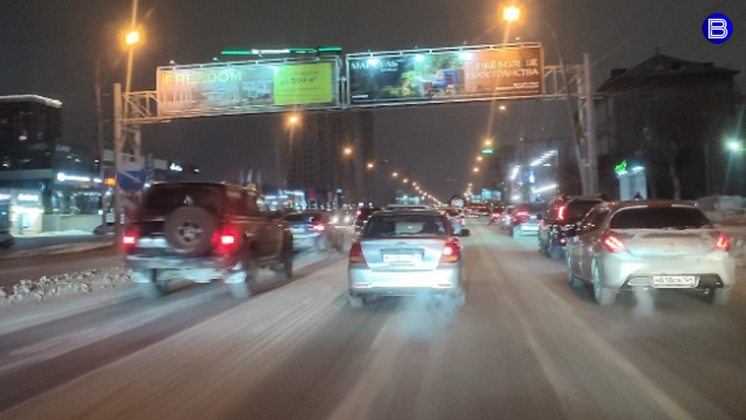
(659, 245)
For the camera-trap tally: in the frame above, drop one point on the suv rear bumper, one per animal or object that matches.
(156, 263)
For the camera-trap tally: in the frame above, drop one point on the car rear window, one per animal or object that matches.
(577, 209)
(304, 217)
(533, 207)
(405, 225)
(659, 218)
(162, 200)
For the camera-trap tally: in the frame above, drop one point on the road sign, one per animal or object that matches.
(488, 151)
(131, 177)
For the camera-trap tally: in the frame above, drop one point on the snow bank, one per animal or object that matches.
(68, 284)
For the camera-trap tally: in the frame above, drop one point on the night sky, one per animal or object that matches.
(49, 47)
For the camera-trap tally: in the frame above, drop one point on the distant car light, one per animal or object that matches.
(722, 243)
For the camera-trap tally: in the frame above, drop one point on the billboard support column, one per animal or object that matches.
(118, 145)
(590, 129)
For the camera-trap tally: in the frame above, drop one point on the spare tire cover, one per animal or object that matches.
(189, 230)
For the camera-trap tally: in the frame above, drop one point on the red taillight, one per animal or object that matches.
(129, 239)
(451, 253)
(227, 239)
(561, 213)
(356, 254)
(722, 243)
(613, 244)
(318, 228)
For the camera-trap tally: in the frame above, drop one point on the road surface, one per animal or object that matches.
(525, 346)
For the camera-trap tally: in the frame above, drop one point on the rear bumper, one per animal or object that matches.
(628, 271)
(404, 283)
(527, 228)
(305, 241)
(163, 263)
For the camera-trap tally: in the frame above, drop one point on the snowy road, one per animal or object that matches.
(525, 346)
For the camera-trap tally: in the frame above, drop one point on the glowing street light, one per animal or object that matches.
(476, 169)
(734, 146)
(348, 151)
(479, 158)
(293, 120)
(406, 181)
(371, 165)
(503, 107)
(132, 38)
(511, 13)
(395, 175)
(488, 142)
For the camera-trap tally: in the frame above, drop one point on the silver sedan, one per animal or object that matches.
(406, 253)
(651, 245)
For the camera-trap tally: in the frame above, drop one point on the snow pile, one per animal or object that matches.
(68, 284)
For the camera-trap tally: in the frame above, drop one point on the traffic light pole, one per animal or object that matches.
(590, 129)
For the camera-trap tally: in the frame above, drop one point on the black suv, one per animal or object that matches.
(562, 216)
(202, 232)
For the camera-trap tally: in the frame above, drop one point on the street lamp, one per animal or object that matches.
(488, 142)
(406, 181)
(414, 184)
(476, 169)
(479, 158)
(503, 107)
(734, 146)
(132, 38)
(348, 151)
(395, 175)
(511, 13)
(371, 165)
(293, 119)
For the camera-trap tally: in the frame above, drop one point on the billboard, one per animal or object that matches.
(247, 87)
(446, 75)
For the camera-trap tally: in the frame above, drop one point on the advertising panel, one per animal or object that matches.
(246, 87)
(448, 75)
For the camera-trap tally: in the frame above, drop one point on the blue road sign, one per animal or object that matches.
(132, 177)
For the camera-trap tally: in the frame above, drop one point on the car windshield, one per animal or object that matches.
(405, 225)
(162, 200)
(577, 209)
(659, 218)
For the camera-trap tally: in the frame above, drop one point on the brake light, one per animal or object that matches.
(356, 254)
(451, 253)
(520, 213)
(561, 213)
(722, 243)
(318, 228)
(129, 239)
(227, 239)
(613, 244)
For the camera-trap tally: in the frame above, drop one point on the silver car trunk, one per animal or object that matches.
(667, 242)
(403, 254)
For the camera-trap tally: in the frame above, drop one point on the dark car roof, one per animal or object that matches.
(411, 211)
(646, 203)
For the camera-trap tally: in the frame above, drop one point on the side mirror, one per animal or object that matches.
(464, 233)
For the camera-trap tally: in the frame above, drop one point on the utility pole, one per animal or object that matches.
(590, 126)
(118, 160)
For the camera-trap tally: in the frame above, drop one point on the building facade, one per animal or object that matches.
(668, 119)
(327, 157)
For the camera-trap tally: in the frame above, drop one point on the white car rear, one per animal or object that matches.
(404, 253)
(650, 245)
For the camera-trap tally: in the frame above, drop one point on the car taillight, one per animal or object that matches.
(227, 239)
(520, 213)
(451, 253)
(318, 227)
(356, 254)
(613, 244)
(129, 239)
(722, 243)
(561, 213)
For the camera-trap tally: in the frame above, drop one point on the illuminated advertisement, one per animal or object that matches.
(448, 75)
(246, 87)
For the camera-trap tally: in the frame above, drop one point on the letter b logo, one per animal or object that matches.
(717, 28)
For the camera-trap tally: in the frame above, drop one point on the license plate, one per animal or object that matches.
(401, 258)
(675, 281)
